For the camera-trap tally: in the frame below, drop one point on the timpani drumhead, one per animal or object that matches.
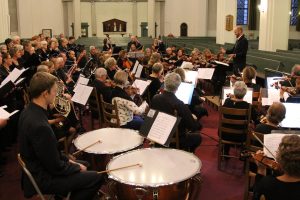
(113, 140)
(160, 166)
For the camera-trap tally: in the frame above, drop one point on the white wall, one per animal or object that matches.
(212, 18)
(4, 20)
(86, 15)
(293, 33)
(35, 15)
(142, 9)
(192, 12)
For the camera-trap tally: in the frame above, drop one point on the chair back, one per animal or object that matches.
(110, 113)
(95, 107)
(256, 100)
(228, 119)
(29, 175)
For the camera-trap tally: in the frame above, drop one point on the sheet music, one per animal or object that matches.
(161, 128)
(206, 73)
(272, 80)
(185, 92)
(13, 76)
(273, 95)
(221, 63)
(191, 76)
(185, 65)
(135, 66)
(6, 115)
(82, 94)
(292, 116)
(82, 80)
(228, 90)
(139, 71)
(272, 141)
(141, 84)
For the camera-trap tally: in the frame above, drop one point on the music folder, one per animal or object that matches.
(6, 88)
(159, 127)
(185, 92)
(292, 117)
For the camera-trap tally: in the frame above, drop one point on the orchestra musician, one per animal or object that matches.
(111, 67)
(102, 85)
(123, 62)
(129, 112)
(53, 172)
(239, 51)
(134, 40)
(285, 186)
(167, 102)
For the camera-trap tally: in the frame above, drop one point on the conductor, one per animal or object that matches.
(239, 51)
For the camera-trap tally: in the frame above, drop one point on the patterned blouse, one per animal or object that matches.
(126, 109)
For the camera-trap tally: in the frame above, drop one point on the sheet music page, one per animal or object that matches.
(228, 90)
(185, 63)
(272, 141)
(221, 63)
(191, 76)
(135, 66)
(272, 80)
(161, 128)
(206, 73)
(292, 116)
(6, 115)
(82, 94)
(185, 92)
(139, 71)
(141, 84)
(13, 76)
(82, 80)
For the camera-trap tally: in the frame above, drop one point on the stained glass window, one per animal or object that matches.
(242, 12)
(294, 12)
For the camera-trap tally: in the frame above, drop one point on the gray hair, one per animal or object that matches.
(276, 113)
(240, 89)
(121, 78)
(110, 62)
(157, 67)
(172, 82)
(19, 47)
(100, 72)
(92, 47)
(42, 68)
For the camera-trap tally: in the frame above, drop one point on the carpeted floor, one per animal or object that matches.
(217, 185)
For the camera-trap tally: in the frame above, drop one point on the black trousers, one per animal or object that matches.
(83, 185)
(191, 141)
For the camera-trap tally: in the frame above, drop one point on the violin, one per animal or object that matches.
(126, 63)
(290, 90)
(268, 162)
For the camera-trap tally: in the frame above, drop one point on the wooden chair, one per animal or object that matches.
(226, 121)
(252, 145)
(33, 182)
(110, 113)
(95, 108)
(256, 101)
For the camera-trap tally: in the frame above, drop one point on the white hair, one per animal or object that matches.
(100, 72)
(172, 82)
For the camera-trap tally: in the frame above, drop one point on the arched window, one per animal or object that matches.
(294, 12)
(242, 12)
(183, 30)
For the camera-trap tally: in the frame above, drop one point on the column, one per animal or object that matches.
(4, 20)
(274, 25)
(151, 18)
(224, 8)
(77, 20)
(134, 18)
(94, 19)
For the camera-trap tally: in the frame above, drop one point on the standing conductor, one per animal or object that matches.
(239, 51)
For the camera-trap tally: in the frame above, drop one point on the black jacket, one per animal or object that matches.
(167, 102)
(38, 148)
(102, 89)
(240, 49)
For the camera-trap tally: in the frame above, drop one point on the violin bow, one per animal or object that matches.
(263, 144)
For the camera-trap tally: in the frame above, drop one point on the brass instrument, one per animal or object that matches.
(61, 104)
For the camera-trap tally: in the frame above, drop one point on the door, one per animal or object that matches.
(183, 30)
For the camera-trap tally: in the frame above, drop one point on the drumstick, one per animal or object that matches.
(79, 151)
(110, 170)
(262, 144)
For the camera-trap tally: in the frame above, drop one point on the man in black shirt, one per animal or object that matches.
(101, 85)
(53, 172)
(167, 102)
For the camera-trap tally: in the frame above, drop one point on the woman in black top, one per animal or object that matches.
(156, 78)
(286, 186)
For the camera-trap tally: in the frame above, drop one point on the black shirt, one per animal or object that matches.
(274, 189)
(102, 89)
(38, 148)
(153, 87)
(265, 128)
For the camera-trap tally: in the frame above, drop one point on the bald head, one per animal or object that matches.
(238, 31)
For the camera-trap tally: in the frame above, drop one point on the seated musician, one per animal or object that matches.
(53, 172)
(155, 45)
(148, 53)
(43, 51)
(208, 55)
(102, 85)
(236, 101)
(156, 78)
(294, 92)
(63, 47)
(285, 186)
(169, 54)
(155, 58)
(167, 102)
(134, 40)
(111, 67)
(53, 49)
(179, 58)
(129, 112)
(275, 114)
(123, 62)
(196, 105)
(249, 73)
(106, 45)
